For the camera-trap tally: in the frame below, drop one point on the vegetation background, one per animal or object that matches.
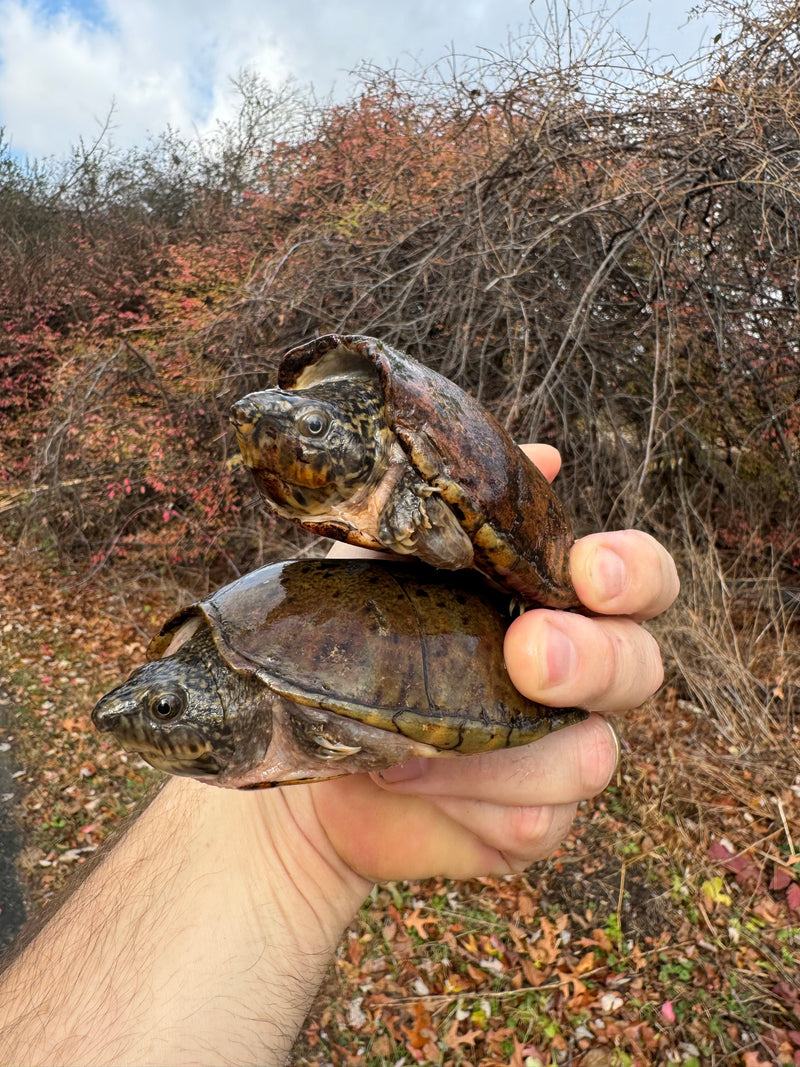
(609, 257)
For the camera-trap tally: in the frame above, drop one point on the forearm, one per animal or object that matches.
(202, 937)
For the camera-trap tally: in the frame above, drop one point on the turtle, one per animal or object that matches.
(362, 443)
(312, 669)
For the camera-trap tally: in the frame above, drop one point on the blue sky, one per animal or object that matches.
(64, 62)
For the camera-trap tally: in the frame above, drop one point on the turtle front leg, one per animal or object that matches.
(416, 521)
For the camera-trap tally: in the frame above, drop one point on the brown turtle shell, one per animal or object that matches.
(401, 647)
(519, 530)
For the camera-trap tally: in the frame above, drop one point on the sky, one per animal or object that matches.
(66, 65)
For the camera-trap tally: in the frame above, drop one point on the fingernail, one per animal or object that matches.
(404, 772)
(617, 745)
(608, 573)
(560, 657)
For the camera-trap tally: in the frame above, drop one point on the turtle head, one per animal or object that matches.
(310, 449)
(170, 713)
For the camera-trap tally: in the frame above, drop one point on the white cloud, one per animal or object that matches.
(171, 61)
(157, 63)
(37, 64)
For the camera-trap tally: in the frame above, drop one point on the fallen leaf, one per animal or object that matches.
(780, 879)
(422, 1031)
(768, 910)
(714, 891)
(454, 1039)
(415, 920)
(586, 963)
(744, 869)
(753, 1059)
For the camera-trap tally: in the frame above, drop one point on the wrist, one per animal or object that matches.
(293, 851)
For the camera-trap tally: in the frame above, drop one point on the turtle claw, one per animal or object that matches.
(334, 749)
(416, 521)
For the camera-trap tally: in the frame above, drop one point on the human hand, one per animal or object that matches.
(497, 812)
(245, 894)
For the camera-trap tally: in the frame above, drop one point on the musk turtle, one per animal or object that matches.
(313, 669)
(362, 443)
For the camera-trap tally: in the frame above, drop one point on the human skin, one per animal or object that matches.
(203, 934)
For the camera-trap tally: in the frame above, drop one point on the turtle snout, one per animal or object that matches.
(271, 412)
(253, 410)
(244, 413)
(260, 421)
(106, 715)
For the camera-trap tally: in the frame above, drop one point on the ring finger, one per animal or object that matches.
(561, 768)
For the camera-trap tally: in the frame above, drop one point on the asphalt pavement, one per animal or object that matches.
(12, 898)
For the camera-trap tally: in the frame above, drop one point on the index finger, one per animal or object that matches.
(622, 573)
(626, 572)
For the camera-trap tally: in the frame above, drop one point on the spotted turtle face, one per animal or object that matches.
(170, 713)
(310, 449)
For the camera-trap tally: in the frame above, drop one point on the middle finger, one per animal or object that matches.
(564, 660)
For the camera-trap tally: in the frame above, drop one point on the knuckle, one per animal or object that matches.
(607, 655)
(655, 664)
(531, 833)
(527, 827)
(626, 667)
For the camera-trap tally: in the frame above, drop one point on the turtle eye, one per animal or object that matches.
(167, 705)
(314, 423)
